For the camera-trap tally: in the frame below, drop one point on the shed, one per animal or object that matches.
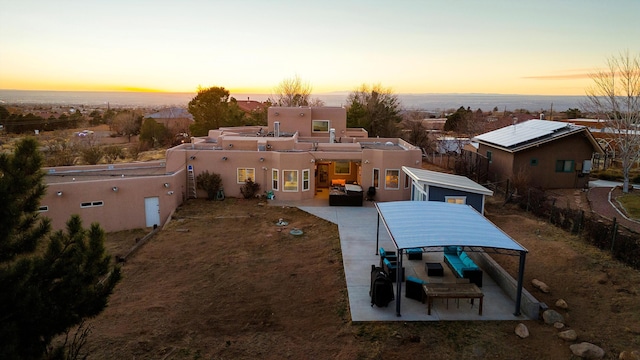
(429, 185)
(434, 225)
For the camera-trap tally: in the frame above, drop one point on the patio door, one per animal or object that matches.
(323, 175)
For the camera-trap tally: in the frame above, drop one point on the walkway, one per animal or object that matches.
(601, 203)
(357, 229)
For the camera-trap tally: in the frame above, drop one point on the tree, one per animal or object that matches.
(211, 109)
(292, 92)
(414, 132)
(127, 123)
(375, 109)
(573, 113)
(48, 285)
(154, 134)
(615, 94)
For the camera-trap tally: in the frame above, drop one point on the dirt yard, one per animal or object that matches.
(222, 281)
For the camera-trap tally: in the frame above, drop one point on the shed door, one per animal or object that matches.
(152, 211)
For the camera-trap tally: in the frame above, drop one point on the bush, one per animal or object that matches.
(92, 155)
(210, 182)
(249, 189)
(112, 153)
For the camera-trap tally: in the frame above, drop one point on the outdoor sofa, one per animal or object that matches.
(461, 264)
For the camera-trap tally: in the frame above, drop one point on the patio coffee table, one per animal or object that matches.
(452, 291)
(433, 269)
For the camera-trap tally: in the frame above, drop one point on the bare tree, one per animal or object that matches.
(414, 131)
(292, 92)
(616, 95)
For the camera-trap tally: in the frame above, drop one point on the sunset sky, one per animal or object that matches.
(422, 46)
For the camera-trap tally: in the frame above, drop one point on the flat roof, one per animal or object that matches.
(418, 224)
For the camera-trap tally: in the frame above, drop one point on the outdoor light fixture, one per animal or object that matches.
(59, 193)
(313, 160)
(230, 145)
(166, 185)
(417, 162)
(169, 192)
(261, 159)
(224, 158)
(115, 189)
(301, 114)
(276, 113)
(264, 168)
(192, 157)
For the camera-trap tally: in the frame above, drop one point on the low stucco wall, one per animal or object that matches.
(529, 305)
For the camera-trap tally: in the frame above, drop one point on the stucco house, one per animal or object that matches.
(549, 154)
(427, 185)
(302, 153)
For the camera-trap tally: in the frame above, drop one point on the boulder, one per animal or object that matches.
(540, 286)
(568, 335)
(522, 331)
(561, 304)
(629, 355)
(551, 317)
(587, 350)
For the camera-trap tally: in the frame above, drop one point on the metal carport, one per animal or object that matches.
(431, 224)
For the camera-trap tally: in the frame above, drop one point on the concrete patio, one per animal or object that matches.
(357, 229)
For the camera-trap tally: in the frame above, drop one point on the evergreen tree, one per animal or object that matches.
(48, 285)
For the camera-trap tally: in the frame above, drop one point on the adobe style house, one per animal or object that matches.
(549, 154)
(302, 153)
(177, 120)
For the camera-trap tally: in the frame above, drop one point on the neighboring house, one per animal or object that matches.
(303, 153)
(548, 154)
(177, 120)
(429, 185)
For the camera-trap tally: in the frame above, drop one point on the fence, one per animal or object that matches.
(622, 242)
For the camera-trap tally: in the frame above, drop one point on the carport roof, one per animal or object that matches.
(417, 224)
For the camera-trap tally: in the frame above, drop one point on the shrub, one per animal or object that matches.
(112, 153)
(92, 155)
(249, 189)
(209, 182)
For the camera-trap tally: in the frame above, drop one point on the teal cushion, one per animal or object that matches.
(415, 280)
(450, 250)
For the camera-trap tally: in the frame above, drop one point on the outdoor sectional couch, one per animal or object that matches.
(461, 264)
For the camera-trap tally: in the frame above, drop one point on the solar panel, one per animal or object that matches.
(523, 132)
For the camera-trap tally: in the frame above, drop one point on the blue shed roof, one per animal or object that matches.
(415, 224)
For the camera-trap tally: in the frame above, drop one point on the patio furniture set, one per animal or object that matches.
(467, 285)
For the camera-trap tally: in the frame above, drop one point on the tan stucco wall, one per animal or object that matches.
(299, 119)
(121, 210)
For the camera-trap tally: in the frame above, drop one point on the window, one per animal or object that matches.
(91, 204)
(533, 162)
(320, 126)
(43, 209)
(342, 167)
(489, 156)
(406, 181)
(274, 179)
(305, 180)
(376, 178)
(246, 173)
(455, 199)
(391, 179)
(290, 180)
(564, 166)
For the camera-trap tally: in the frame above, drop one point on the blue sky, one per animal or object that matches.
(490, 46)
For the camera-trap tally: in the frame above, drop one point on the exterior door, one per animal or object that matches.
(152, 211)
(323, 175)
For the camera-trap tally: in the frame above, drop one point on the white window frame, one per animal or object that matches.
(455, 199)
(313, 128)
(386, 174)
(284, 181)
(275, 180)
(246, 172)
(89, 204)
(306, 180)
